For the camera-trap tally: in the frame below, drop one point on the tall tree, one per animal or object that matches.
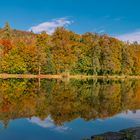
(127, 59)
(63, 50)
(7, 31)
(110, 55)
(41, 44)
(93, 51)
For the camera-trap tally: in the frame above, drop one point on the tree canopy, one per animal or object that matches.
(66, 52)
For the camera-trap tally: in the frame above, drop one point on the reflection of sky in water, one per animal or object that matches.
(36, 129)
(79, 127)
(48, 123)
(135, 115)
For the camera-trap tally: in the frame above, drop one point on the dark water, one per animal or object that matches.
(66, 110)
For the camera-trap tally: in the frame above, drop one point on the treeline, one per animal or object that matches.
(66, 52)
(66, 101)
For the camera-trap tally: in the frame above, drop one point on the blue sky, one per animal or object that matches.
(119, 18)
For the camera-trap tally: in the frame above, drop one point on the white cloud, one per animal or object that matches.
(50, 26)
(131, 37)
(101, 31)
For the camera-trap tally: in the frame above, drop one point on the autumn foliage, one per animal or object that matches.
(66, 52)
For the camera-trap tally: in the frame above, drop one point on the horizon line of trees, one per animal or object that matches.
(66, 52)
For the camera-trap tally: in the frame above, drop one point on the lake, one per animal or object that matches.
(31, 109)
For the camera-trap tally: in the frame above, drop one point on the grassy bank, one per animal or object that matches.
(5, 76)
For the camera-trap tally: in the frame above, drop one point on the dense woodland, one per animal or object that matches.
(66, 52)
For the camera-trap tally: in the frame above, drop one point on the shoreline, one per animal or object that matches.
(61, 76)
(125, 134)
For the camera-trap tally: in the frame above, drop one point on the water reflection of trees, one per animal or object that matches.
(65, 101)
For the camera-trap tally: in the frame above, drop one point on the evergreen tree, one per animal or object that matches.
(7, 31)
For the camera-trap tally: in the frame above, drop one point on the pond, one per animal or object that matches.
(31, 109)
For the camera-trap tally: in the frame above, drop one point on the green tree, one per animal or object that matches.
(93, 51)
(7, 31)
(127, 59)
(110, 55)
(41, 45)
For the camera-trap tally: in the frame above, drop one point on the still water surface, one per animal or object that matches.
(66, 110)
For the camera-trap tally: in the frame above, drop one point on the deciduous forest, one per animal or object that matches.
(64, 51)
